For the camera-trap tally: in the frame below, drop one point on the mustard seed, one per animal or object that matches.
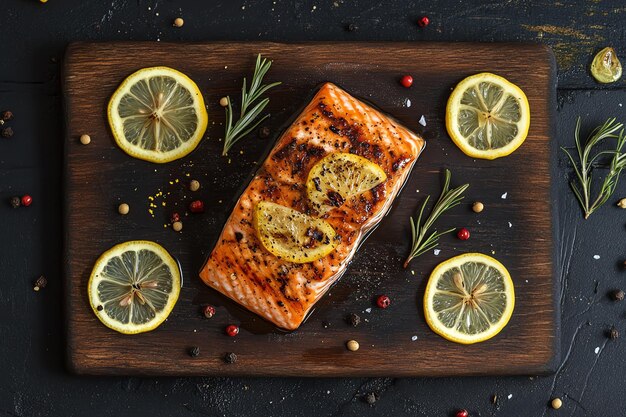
(85, 139)
(194, 185)
(478, 207)
(352, 345)
(556, 403)
(178, 22)
(123, 208)
(224, 101)
(177, 226)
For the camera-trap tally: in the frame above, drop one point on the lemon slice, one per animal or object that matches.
(487, 116)
(157, 114)
(469, 298)
(606, 67)
(340, 176)
(291, 235)
(133, 286)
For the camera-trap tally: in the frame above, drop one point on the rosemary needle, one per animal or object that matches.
(447, 200)
(249, 114)
(583, 170)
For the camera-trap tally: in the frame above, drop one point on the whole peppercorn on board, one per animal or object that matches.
(515, 226)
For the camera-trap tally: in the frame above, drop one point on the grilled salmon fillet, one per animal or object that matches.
(284, 292)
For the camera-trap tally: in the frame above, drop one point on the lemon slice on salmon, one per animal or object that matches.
(340, 176)
(134, 286)
(469, 298)
(487, 116)
(157, 114)
(291, 235)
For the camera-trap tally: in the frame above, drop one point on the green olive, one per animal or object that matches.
(605, 67)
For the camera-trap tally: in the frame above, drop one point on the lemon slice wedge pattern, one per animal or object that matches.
(291, 235)
(469, 298)
(487, 116)
(340, 176)
(157, 114)
(134, 286)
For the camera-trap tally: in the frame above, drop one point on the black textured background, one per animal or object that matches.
(33, 380)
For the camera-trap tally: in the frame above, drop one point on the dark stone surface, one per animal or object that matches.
(33, 381)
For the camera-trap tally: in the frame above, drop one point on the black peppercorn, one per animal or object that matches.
(351, 27)
(7, 132)
(6, 115)
(613, 333)
(40, 283)
(194, 351)
(230, 358)
(100, 308)
(371, 398)
(264, 132)
(617, 295)
(354, 319)
(15, 202)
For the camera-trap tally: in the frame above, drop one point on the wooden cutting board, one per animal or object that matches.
(516, 226)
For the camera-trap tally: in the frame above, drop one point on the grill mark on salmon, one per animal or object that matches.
(283, 292)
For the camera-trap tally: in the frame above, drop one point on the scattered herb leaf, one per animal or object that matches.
(249, 113)
(447, 200)
(583, 170)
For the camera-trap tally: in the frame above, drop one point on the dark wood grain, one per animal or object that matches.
(517, 230)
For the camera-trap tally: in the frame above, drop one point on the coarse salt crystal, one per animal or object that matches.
(504, 195)
(407, 102)
(596, 256)
(597, 350)
(437, 252)
(368, 310)
(422, 120)
(510, 224)
(510, 396)
(414, 338)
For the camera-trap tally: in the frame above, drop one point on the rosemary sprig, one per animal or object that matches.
(582, 189)
(447, 200)
(248, 117)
